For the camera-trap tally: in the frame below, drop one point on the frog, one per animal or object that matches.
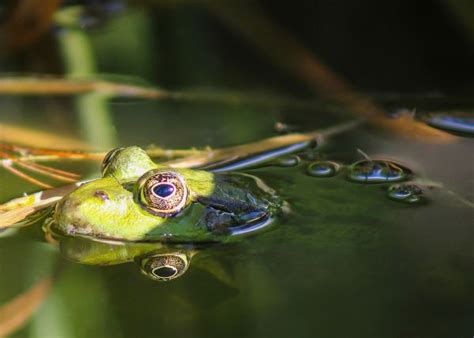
(158, 216)
(162, 215)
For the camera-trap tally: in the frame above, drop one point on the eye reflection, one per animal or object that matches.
(164, 267)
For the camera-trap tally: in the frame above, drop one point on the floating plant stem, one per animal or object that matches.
(26, 177)
(34, 167)
(251, 154)
(10, 160)
(16, 211)
(454, 123)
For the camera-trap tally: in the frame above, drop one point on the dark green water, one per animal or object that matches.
(347, 261)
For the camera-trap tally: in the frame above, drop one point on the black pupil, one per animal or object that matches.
(163, 190)
(165, 271)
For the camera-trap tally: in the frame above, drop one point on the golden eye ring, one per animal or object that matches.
(164, 267)
(162, 192)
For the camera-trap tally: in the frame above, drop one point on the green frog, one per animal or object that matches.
(140, 210)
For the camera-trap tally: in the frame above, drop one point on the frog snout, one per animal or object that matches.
(72, 214)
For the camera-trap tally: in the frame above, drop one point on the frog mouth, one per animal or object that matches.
(255, 225)
(221, 219)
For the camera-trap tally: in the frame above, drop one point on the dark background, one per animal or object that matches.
(401, 46)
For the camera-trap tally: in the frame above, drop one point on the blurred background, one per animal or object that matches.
(401, 54)
(398, 46)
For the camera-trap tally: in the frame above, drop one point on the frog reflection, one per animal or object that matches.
(140, 202)
(157, 261)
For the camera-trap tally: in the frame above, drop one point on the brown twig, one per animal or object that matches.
(57, 171)
(62, 86)
(46, 86)
(26, 177)
(15, 211)
(9, 160)
(34, 167)
(30, 155)
(245, 150)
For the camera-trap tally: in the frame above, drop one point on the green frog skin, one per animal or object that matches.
(137, 200)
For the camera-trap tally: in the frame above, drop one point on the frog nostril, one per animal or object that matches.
(102, 195)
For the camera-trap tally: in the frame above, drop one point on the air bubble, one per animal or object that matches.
(323, 169)
(407, 193)
(287, 161)
(377, 171)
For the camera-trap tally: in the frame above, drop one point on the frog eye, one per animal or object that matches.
(108, 158)
(164, 267)
(162, 193)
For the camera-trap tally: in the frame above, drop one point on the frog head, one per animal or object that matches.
(138, 200)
